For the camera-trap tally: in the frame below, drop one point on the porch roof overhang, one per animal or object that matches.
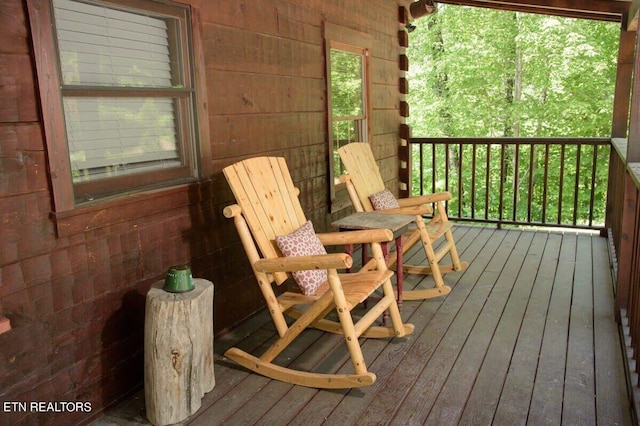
(603, 10)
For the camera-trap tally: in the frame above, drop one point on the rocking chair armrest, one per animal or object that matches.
(425, 199)
(410, 210)
(301, 263)
(355, 237)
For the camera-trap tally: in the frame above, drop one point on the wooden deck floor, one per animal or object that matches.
(527, 336)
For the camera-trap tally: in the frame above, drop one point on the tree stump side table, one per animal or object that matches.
(178, 351)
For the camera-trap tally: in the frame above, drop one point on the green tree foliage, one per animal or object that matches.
(478, 72)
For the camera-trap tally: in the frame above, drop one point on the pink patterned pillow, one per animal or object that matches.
(304, 242)
(384, 200)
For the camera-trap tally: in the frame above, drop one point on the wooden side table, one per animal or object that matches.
(396, 223)
(178, 351)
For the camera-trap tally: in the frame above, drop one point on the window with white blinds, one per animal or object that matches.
(126, 92)
(106, 47)
(110, 136)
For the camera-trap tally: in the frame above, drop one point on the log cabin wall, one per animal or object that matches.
(76, 302)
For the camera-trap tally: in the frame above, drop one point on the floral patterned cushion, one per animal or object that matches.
(304, 242)
(384, 200)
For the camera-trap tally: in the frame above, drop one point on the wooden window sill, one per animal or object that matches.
(126, 208)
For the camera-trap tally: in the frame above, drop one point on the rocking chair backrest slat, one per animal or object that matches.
(269, 201)
(358, 159)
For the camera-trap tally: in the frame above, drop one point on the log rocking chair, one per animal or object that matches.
(367, 193)
(270, 221)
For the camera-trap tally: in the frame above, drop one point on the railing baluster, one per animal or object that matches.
(460, 199)
(502, 170)
(634, 273)
(446, 167)
(473, 180)
(433, 167)
(632, 196)
(487, 183)
(516, 179)
(545, 183)
(561, 184)
(576, 191)
(421, 156)
(594, 163)
(531, 180)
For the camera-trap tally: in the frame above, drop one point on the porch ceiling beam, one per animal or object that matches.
(633, 15)
(602, 10)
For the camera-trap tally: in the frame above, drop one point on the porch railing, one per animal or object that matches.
(558, 182)
(624, 233)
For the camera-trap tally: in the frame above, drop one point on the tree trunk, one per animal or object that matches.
(178, 351)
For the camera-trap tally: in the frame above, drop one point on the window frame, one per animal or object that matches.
(359, 122)
(66, 211)
(351, 41)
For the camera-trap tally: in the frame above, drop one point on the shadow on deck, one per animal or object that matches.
(526, 336)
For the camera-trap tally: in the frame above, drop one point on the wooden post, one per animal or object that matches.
(178, 351)
(421, 8)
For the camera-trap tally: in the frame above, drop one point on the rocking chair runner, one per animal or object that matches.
(364, 182)
(268, 207)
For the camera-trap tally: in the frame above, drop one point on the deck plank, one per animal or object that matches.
(486, 392)
(454, 330)
(579, 392)
(249, 391)
(526, 336)
(393, 392)
(516, 391)
(611, 388)
(354, 407)
(448, 407)
(323, 404)
(547, 397)
(228, 375)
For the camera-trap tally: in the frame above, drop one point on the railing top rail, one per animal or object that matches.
(514, 140)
